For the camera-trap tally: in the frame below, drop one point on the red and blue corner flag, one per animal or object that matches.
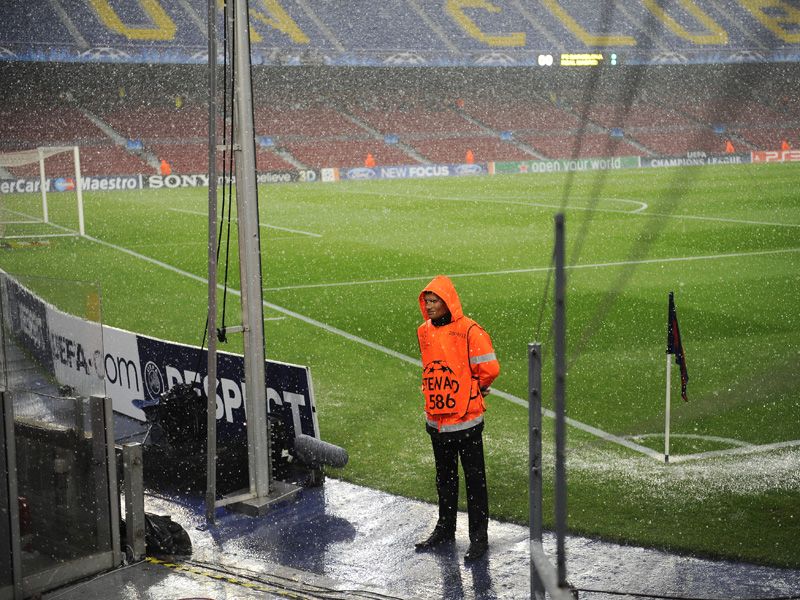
(674, 344)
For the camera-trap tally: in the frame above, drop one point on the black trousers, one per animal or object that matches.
(448, 447)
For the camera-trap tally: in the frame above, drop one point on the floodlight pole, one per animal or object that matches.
(250, 262)
(264, 491)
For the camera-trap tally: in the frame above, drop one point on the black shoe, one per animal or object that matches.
(476, 550)
(438, 537)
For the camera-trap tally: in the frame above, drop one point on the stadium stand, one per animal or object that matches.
(452, 150)
(769, 138)
(521, 115)
(730, 111)
(624, 116)
(680, 141)
(159, 122)
(588, 145)
(405, 32)
(312, 122)
(324, 153)
(49, 124)
(416, 119)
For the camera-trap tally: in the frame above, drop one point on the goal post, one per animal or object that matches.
(38, 155)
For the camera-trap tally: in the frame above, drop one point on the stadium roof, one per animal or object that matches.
(541, 33)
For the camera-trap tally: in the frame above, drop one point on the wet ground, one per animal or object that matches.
(345, 541)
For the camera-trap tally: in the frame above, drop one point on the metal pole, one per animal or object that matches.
(668, 407)
(132, 469)
(79, 188)
(211, 387)
(10, 446)
(535, 460)
(560, 348)
(250, 264)
(104, 454)
(43, 185)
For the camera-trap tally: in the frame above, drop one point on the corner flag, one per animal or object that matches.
(674, 345)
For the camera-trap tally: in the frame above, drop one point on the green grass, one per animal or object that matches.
(383, 241)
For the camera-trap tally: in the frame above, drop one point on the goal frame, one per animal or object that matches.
(39, 154)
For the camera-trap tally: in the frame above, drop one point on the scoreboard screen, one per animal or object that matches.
(579, 59)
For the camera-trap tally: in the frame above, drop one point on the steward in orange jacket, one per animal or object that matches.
(458, 365)
(458, 362)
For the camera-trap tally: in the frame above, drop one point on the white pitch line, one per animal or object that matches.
(692, 436)
(734, 451)
(537, 269)
(38, 236)
(642, 205)
(202, 214)
(639, 211)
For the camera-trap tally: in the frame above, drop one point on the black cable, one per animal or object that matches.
(230, 164)
(292, 585)
(225, 177)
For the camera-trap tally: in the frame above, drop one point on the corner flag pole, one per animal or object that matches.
(674, 346)
(667, 416)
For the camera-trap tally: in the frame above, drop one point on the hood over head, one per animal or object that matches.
(444, 288)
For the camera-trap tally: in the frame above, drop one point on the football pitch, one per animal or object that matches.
(344, 263)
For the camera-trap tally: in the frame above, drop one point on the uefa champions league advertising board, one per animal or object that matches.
(132, 369)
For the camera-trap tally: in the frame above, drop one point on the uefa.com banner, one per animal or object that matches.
(89, 357)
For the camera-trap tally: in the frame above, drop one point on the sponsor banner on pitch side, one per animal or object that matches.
(289, 392)
(696, 161)
(775, 156)
(567, 165)
(23, 185)
(404, 172)
(25, 316)
(128, 367)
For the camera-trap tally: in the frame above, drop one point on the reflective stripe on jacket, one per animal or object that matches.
(458, 360)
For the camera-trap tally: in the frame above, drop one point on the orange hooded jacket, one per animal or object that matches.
(458, 361)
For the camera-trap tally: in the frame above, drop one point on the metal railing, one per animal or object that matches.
(544, 576)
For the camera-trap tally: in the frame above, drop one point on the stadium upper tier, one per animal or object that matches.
(409, 32)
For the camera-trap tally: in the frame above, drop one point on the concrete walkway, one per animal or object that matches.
(345, 541)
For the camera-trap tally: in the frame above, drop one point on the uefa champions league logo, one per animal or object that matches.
(153, 381)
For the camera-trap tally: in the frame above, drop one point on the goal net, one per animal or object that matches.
(15, 214)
